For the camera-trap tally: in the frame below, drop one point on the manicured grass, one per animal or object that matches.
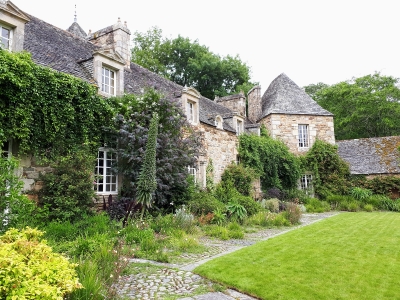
(348, 256)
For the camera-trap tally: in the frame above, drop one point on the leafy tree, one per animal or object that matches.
(364, 107)
(147, 183)
(271, 159)
(188, 63)
(177, 143)
(313, 89)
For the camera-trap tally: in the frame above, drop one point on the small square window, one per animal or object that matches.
(108, 81)
(303, 136)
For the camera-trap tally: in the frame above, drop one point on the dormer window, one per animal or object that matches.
(5, 39)
(239, 127)
(108, 81)
(218, 122)
(190, 111)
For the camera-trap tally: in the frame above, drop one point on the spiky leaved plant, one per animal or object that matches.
(147, 183)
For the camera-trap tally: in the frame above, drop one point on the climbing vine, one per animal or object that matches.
(45, 111)
(271, 159)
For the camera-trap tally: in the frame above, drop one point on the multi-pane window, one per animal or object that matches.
(239, 127)
(306, 182)
(5, 38)
(190, 111)
(303, 136)
(107, 81)
(192, 172)
(105, 180)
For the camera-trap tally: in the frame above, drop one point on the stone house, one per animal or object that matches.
(103, 58)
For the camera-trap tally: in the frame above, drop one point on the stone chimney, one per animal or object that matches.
(254, 104)
(236, 103)
(115, 37)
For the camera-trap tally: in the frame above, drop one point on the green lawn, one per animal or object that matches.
(348, 256)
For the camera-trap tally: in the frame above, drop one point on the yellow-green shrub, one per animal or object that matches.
(30, 270)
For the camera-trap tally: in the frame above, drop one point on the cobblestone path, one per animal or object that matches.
(176, 281)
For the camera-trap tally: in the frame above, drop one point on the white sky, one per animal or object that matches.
(311, 41)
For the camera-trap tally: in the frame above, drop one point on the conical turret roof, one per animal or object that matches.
(283, 96)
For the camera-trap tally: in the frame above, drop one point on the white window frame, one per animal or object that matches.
(306, 183)
(190, 111)
(9, 38)
(239, 127)
(193, 172)
(105, 182)
(304, 137)
(108, 82)
(219, 122)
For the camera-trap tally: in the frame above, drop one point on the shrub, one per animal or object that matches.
(360, 193)
(274, 193)
(376, 200)
(389, 204)
(252, 207)
(314, 205)
(235, 231)
(206, 219)
(336, 200)
(292, 213)
(163, 224)
(280, 220)
(368, 207)
(217, 231)
(241, 177)
(204, 203)
(68, 192)
(272, 205)
(219, 217)
(236, 211)
(184, 220)
(264, 219)
(30, 269)
(16, 210)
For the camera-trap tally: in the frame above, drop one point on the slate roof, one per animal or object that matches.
(371, 155)
(283, 96)
(77, 30)
(138, 78)
(58, 49)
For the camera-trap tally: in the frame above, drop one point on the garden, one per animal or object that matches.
(61, 246)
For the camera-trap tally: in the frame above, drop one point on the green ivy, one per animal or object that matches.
(45, 111)
(271, 159)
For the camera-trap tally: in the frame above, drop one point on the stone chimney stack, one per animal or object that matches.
(236, 103)
(254, 104)
(115, 37)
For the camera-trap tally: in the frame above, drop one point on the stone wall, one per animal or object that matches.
(219, 145)
(285, 128)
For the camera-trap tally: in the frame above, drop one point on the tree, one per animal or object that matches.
(177, 143)
(188, 63)
(313, 89)
(147, 183)
(364, 107)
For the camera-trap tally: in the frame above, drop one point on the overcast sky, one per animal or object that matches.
(310, 41)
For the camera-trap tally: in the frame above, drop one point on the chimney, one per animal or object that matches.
(254, 104)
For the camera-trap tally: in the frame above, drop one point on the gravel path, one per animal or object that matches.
(178, 282)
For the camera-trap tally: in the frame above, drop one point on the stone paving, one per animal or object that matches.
(176, 281)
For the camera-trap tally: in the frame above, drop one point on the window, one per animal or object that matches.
(239, 127)
(306, 183)
(5, 38)
(108, 81)
(218, 122)
(190, 111)
(6, 150)
(105, 180)
(303, 136)
(192, 172)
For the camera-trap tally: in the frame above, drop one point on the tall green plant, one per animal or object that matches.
(147, 183)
